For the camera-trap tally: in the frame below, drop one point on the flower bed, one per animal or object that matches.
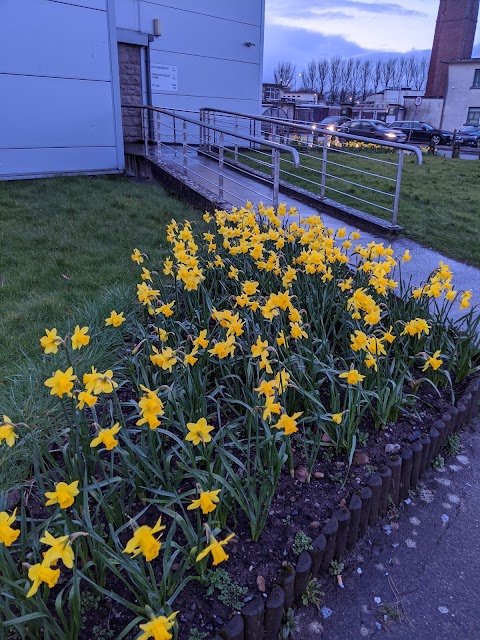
(265, 344)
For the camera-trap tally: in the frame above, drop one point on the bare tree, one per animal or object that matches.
(410, 71)
(365, 73)
(388, 72)
(422, 72)
(284, 73)
(334, 72)
(400, 71)
(356, 85)
(346, 75)
(309, 77)
(377, 75)
(323, 66)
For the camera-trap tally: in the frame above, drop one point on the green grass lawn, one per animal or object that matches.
(439, 204)
(65, 241)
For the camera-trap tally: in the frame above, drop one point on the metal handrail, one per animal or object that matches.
(320, 139)
(308, 129)
(276, 147)
(260, 141)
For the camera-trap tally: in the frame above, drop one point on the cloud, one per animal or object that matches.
(336, 15)
(299, 46)
(311, 8)
(390, 8)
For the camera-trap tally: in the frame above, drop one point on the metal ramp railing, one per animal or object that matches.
(333, 164)
(183, 142)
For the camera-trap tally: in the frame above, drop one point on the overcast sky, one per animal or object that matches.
(299, 30)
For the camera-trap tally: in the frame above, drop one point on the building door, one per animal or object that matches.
(130, 68)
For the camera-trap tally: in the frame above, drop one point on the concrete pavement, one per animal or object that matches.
(418, 577)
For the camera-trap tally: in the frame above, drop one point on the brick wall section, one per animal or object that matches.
(453, 40)
(130, 90)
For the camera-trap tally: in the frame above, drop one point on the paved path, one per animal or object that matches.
(421, 582)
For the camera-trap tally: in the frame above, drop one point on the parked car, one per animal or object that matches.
(423, 132)
(470, 135)
(373, 129)
(333, 122)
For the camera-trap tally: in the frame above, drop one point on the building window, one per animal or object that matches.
(476, 79)
(272, 93)
(473, 116)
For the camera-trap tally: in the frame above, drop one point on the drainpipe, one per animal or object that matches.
(148, 88)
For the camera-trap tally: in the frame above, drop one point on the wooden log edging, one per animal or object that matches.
(261, 618)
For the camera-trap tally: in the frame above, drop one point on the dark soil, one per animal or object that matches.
(300, 506)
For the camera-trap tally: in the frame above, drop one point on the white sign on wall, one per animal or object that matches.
(163, 77)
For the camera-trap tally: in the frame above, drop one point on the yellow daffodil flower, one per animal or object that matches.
(465, 300)
(168, 267)
(7, 534)
(60, 549)
(166, 309)
(150, 408)
(42, 573)
(104, 383)
(271, 407)
(223, 349)
(144, 541)
(80, 337)
(359, 341)
(165, 359)
(146, 274)
(201, 340)
(250, 287)
(7, 431)
(215, 547)
(137, 256)
(85, 398)
(433, 361)
(199, 432)
(371, 361)
(106, 437)
(416, 327)
(281, 340)
(259, 348)
(288, 423)
(162, 334)
(61, 383)
(64, 494)
(352, 376)
(159, 627)
(115, 319)
(388, 335)
(206, 502)
(50, 341)
(296, 331)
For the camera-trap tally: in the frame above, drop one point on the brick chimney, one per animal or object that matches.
(453, 40)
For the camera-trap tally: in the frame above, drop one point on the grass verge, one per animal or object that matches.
(64, 240)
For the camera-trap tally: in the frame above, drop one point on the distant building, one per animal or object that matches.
(387, 105)
(451, 96)
(67, 67)
(453, 40)
(462, 102)
(301, 96)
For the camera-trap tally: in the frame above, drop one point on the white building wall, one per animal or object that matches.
(205, 41)
(59, 108)
(460, 94)
(429, 111)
